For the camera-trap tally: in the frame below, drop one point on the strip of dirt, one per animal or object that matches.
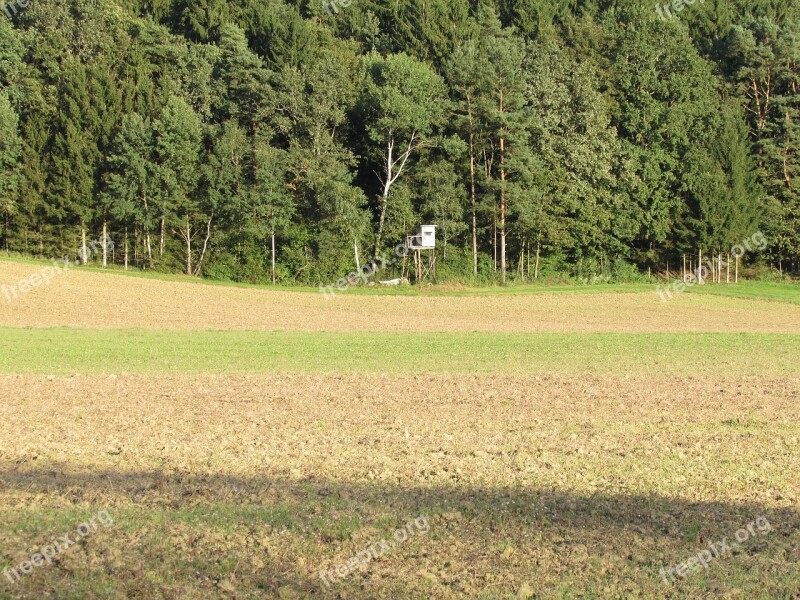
(88, 299)
(529, 484)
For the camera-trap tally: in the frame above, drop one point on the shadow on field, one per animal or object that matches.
(470, 527)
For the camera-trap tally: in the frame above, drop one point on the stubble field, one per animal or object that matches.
(571, 444)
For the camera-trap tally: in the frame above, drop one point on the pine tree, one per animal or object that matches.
(583, 214)
(667, 108)
(270, 204)
(10, 152)
(131, 183)
(178, 144)
(504, 107)
(468, 71)
(725, 204)
(76, 156)
(223, 188)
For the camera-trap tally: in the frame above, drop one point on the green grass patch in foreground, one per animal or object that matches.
(70, 351)
(250, 549)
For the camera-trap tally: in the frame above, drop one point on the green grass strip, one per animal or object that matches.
(73, 351)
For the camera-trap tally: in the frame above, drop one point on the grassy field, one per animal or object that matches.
(535, 443)
(86, 351)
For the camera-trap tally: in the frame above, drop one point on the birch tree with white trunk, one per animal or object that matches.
(403, 102)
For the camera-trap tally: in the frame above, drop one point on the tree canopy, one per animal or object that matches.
(260, 140)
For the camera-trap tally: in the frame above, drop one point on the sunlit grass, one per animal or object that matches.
(68, 351)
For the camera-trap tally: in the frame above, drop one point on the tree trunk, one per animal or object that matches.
(391, 176)
(355, 251)
(379, 239)
(700, 267)
(494, 242)
(387, 184)
(528, 268)
(126, 248)
(84, 249)
(161, 240)
(105, 244)
(728, 270)
(273, 258)
(502, 240)
(188, 246)
(538, 250)
(502, 202)
(786, 174)
(205, 246)
(148, 246)
(473, 196)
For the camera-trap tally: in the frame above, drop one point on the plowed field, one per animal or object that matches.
(374, 478)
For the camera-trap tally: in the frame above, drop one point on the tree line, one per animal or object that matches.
(258, 140)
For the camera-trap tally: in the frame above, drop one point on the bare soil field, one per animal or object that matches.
(565, 465)
(103, 300)
(531, 487)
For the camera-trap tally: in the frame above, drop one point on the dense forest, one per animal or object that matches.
(604, 137)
